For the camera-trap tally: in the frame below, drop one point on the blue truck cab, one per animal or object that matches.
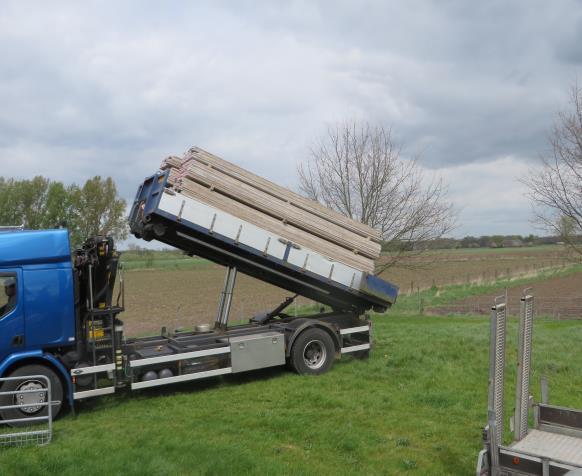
(37, 301)
(40, 315)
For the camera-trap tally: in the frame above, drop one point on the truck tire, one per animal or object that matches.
(313, 352)
(32, 398)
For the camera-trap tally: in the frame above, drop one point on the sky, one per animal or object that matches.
(111, 88)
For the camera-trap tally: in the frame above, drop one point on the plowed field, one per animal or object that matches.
(559, 297)
(183, 297)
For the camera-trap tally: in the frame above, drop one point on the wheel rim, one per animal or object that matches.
(29, 399)
(314, 354)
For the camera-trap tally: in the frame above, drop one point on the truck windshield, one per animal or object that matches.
(7, 293)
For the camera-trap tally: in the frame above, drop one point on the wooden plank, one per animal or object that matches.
(278, 191)
(280, 209)
(287, 231)
(171, 162)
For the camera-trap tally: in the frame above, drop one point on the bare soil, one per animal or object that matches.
(480, 265)
(183, 298)
(559, 297)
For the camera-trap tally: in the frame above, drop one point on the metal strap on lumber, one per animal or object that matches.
(523, 366)
(497, 372)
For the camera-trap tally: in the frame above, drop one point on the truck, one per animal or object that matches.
(553, 446)
(60, 318)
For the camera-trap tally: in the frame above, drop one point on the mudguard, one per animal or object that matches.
(39, 355)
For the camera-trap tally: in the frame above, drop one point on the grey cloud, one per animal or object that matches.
(111, 88)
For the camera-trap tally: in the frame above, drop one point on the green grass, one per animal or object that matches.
(170, 263)
(160, 259)
(417, 406)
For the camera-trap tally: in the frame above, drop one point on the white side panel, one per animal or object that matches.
(180, 378)
(353, 330)
(94, 393)
(183, 356)
(261, 240)
(355, 348)
(92, 370)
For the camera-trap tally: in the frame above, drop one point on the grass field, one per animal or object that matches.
(417, 406)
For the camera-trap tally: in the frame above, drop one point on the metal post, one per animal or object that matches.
(225, 302)
(496, 378)
(493, 444)
(523, 366)
(544, 385)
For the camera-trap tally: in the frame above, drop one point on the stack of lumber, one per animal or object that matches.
(223, 185)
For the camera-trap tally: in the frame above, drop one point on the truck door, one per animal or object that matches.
(11, 312)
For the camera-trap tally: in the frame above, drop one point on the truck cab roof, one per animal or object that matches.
(34, 247)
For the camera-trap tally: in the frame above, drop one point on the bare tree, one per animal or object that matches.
(356, 169)
(556, 188)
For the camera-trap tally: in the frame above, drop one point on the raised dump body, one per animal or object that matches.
(162, 212)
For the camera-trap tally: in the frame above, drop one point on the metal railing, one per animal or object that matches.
(30, 425)
(498, 332)
(524, 347)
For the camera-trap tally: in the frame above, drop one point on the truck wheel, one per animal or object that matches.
(313, 352)
(31, 399)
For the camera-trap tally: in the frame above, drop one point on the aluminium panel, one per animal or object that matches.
(257, 351)
(94, 393)
(180, 378)
(563, 448)
(355, 348)
(179, 356)
(263, 241)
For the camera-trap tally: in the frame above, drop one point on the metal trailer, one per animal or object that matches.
(65, 321)
(553, 446)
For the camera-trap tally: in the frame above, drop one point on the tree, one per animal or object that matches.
(356, 169)
(98, 210)
(42, 203)
(556, 188)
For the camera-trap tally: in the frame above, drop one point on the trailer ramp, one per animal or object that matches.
(553, 447)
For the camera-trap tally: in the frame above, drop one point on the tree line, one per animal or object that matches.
(86, 210)
(486, 241)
